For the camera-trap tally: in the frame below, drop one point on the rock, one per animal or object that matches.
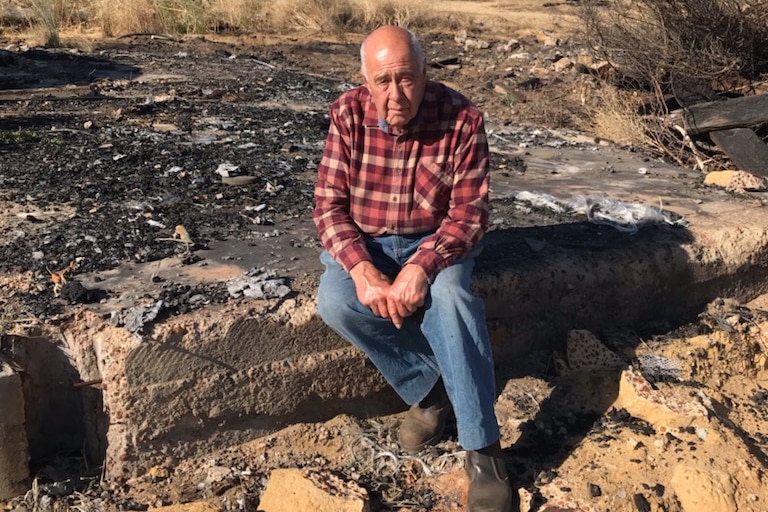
(294, 490)
(520, 56)
(659, 406)
(585, 352)
(75, 293)
(258, 283)
(531, 84)
(509, 46)
(453, 486)
(744, 181)
(719, 178)
(704, 489)
(560, 497)
(546, 38)
(602, 69)
(563, 64)
(479, 44)
(736, 181)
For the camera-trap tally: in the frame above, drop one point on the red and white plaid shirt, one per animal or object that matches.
(433, 178)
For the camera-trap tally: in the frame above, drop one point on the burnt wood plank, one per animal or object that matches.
(745, 149)
(740, 112)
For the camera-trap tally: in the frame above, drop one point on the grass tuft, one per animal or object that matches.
(48, 22)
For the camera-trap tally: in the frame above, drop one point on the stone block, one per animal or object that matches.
(294, 490)
(216, 377)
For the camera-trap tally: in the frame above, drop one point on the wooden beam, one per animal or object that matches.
(745, 149)
(740, 112)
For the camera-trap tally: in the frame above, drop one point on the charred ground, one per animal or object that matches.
(104, 152)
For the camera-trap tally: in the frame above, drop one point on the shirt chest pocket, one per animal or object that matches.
(433, 184)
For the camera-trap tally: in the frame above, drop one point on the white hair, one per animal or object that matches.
(413, 44)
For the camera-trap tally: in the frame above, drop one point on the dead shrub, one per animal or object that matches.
(659, 47)
(712, 41)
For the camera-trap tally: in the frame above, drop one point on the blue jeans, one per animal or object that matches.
(448, 337)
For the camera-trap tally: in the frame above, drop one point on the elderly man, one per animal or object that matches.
(401, 206)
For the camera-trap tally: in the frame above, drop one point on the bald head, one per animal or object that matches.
(394, 70)
(390, 38)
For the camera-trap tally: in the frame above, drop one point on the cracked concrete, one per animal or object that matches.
(226, 373)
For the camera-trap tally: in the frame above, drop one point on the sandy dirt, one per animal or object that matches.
(104, 151)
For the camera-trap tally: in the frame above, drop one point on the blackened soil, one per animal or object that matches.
(104, 153)
(110, 155)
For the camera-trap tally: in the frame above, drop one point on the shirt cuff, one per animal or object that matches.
(430, 261)
(352, 255)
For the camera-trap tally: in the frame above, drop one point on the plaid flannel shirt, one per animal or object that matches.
(433, 178)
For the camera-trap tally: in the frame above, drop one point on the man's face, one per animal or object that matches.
(396, 82)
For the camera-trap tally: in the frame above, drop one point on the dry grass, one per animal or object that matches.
(234, 14)
(638, 120)
(615, 117)
(48, 21)
(117, 17)
(124, 16)
(349, 15)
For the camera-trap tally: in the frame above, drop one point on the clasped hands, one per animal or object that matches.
(387, 299)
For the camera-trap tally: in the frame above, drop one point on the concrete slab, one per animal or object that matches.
(14, 472)
(228, 372)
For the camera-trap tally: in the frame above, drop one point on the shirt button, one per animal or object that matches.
(394, 199)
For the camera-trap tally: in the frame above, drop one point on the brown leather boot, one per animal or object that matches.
(424, 422)
(489, 489)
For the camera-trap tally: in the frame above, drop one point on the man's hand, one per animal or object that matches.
(395, 301)
(372, 287)
(407, 293)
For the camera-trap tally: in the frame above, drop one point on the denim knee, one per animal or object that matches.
(334, 308)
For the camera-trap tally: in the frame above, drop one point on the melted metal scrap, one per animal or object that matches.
(625, 217)
(258, 283)
(134, 319)
(657, 368)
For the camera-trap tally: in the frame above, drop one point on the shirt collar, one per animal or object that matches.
(416, 121)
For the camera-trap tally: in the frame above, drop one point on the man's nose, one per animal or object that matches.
(394, 90)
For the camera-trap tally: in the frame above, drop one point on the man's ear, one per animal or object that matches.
(364, 79)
